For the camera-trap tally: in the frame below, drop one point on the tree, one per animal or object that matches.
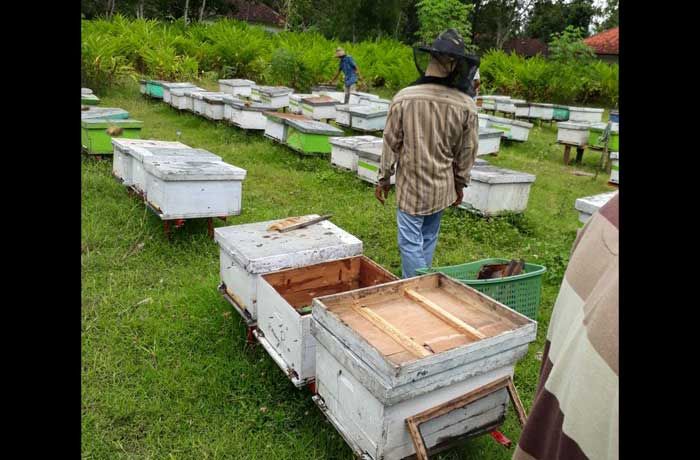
(434, 16)
(610, 16)
(569, 46)
(496, 21)
(549, 17)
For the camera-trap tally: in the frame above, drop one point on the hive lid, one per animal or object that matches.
(237, 82)
(127, 145)
(103, 112)
(281, 116)
(214, 97)
(591, 204)
(319, 101)
(371, 152)
(585, 109)
(89, 91)
(365, 95)
(489, 132)
(188, 91)
(574, 125)
(253, 106)
(542, 104)
(172, 85)
(193, 170)
(202, 94)
(97, 123)
(274, 90)
(313, 127)
(369, 111)
(163, 153)
(259, 251)
(355, 142)
(521, 123)
(492, 175)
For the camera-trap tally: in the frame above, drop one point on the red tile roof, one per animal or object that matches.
(252, 11)
(607, 42)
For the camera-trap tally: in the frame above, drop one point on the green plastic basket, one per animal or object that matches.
(520, 292)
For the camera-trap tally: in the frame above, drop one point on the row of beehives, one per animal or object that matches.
(374, 350)
(98, 125)
(87, 97)
(519, 108)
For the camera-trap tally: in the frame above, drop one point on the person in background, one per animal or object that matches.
(477, 83)
(350, 71)
(430, 142)
(575, 411)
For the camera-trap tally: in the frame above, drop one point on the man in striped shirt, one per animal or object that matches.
(430, 142)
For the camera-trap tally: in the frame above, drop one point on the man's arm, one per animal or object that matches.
(466, 154)
(335, 77)
(393, 143)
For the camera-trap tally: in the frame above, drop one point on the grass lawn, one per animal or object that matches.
(166, 372)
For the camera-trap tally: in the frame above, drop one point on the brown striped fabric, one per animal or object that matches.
(575, 411)
(430, 141)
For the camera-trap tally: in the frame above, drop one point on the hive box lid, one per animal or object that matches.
(103, 112)
(194, 170)
(98, 123)
(586, 109)
(371, 152)
(542, 104)
(202, 94)
(144, 154)
(258, 250)
(369, 111)
(85, 91)
(274, 90)
(252, 106)
(355, 142)
(574, 125)
(214, 97)
(188, 91)
(281, 116)
(313, 127)
(300, 96)
(319, 101)
(493, 175)
(441, 351)
(127, 145)
(237, 82)
(591, 204)
(486, 133)
(173, 85)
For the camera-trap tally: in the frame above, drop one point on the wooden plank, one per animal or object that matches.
(519, 408)
(293, 223)
(443, 314)
(398, 336)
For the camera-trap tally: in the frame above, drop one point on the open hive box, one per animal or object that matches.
(344, 149)
(574, 133)
(122, 166)
(310, 136)
(97, 133)
(389, 352)
(275, 127)
(182, 99)
(489, 141)
(236, 86)
(246, 114)
(284, 308)
(368, 117)
(193, 188)
(248, 251)
(319, 107)
(493, 191)
(168, 87)
(295, 101)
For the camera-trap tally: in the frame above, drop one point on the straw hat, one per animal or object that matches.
(339, 52)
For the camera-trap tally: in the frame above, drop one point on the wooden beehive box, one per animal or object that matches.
(182, 98)
(236, 86)
(191, 189)
(275, 127)
(122, 159)
(489, 141)
(248, 251)
(319, 107)
(573, 133)
(168, 87)
(389, 352)
(493, 191)
(213, 105)
(295, 101)
(344, 150)
(514, 130)
(246, 114)
(587, 114)
(97, 133)
(310, 136)
(542, 111)
(107, 113)
(368, 118)
(276, 97)
(284, 308)
(588, 205)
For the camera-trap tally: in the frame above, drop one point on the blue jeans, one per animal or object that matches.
(418, 237)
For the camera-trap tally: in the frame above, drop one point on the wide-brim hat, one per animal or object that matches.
(449, 43)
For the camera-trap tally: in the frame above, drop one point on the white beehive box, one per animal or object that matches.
(514, 130)
(228, 101)
(573, 133)
(489, 141)
(168, 87)
(85, 91)
(295, 101)
(198, 101)
(275, 126)
(522, 109)
(542, 111)
(368, 118)
(327, 90)
(344, 150)
(249, 250)
(236, 87)
(247, 115)
(319, 107)
(342, 115)
(122, 160)
(615, 167)
(284, 313)
(587, 114)
(488, 101)
(493, 191)
(141, 155)
(181, 98)
(484, 119)
(368, 163)
(507, 105)
(384, 103)
(589, 205)
(358, 97)
(369, 382)
(213, 104)
(275, 96)
(194, 188)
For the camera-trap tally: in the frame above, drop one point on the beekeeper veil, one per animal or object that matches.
(446, 62)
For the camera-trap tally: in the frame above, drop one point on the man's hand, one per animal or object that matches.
(382, 192)
(460, 196)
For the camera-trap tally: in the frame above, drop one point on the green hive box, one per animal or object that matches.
(561, 113)
(310, 136)
(95, 137)
(154, 88)
(596, 133)
(89, 99)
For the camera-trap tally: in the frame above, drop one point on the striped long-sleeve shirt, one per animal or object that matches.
(575, 412)
(430, 141)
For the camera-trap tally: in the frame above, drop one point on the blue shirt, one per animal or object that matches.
(347, 66)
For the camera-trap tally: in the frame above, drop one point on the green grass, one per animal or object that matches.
(165, 369)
